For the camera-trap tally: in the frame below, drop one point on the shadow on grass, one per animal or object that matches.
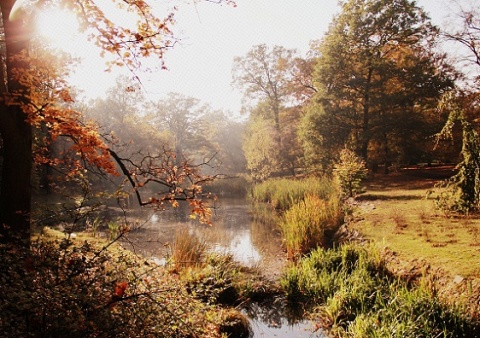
(411, 178)
(370, 197)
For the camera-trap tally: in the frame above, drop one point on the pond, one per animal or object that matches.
(234, 231)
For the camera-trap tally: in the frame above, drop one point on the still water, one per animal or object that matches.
(234, 231)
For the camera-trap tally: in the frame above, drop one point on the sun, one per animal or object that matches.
(59, 28)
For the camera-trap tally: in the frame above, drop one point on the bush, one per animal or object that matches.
(349, 172)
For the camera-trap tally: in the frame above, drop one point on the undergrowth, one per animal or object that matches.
(63, 288)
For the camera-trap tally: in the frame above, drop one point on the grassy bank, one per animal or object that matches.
(405, 220)
(417, 278)
(309, 209)
(395, 213)
(353, 294)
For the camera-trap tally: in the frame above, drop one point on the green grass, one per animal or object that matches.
(283, 193)
(355, 295)
(308, 210)
(400, 217)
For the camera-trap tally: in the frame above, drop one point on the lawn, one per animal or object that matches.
(395, 213)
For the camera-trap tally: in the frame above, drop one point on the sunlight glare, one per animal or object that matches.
(59, 28)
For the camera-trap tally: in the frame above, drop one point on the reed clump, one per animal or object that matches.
(355, 295)
(283, 193)
(309, 223)
(188, 250)
(309, 210)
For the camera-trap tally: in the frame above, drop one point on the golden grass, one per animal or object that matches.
(188, 250)
(395, 213)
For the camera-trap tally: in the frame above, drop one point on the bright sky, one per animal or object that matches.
(212, 35)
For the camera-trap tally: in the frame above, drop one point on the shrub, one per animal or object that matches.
(349, 172)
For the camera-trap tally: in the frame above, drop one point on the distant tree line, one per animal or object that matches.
(371, 84)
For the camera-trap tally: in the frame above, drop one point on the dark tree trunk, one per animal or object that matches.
(16, 133)
(44, 171)
(386, 170)
(366, 117)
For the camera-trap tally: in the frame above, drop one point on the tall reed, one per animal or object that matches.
(188, 250)
(283, 193)
(306, 224)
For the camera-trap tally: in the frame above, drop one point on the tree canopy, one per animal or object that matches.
(377, 79)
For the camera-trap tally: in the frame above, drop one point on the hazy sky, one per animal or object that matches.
(212, 35)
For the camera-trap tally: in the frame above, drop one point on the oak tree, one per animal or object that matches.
(263, 75)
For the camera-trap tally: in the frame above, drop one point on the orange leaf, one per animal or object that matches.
(120, 288)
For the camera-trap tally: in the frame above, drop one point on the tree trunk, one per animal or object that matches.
(386, 171)
(366, 117)
(16, 134)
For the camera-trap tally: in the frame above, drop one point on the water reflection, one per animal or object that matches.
(276, 319)
(235, 230)
(283, 329)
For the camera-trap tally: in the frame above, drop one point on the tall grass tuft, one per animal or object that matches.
(188, 250)
(306, 224)
(283, 193)
(358, 297)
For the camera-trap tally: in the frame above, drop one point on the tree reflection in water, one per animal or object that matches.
(277, 318)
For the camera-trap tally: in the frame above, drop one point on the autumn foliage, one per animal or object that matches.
(36, 94)
(48, 105)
